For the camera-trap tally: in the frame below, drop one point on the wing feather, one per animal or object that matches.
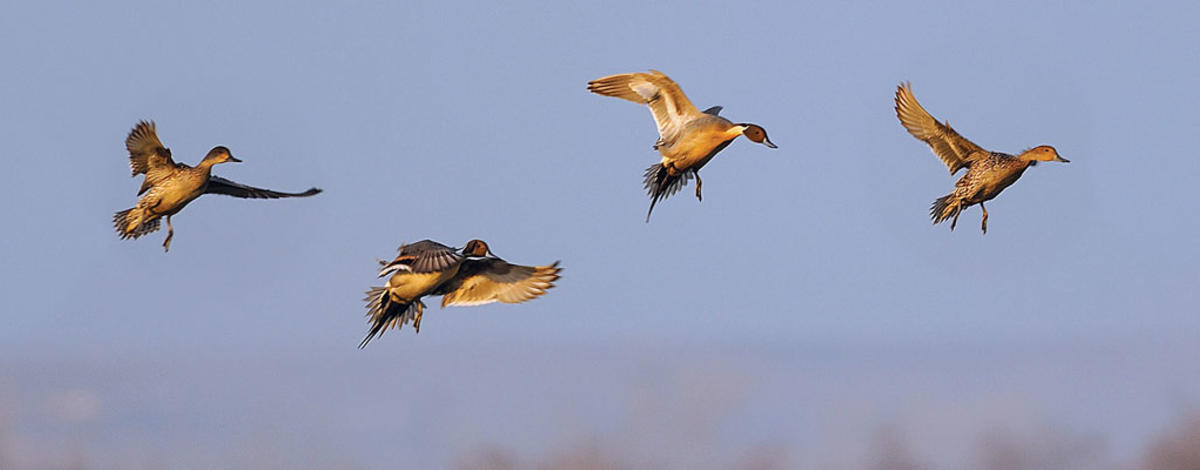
(425, 256)
(148, 155)
(668, 104)
(483, 281)
(953, 149)
(219, 185)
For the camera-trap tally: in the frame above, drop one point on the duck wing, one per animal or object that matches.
(953, 149)
(219, 185)
(487, 280)
(671, 108)
(425, 256)
(148, 155)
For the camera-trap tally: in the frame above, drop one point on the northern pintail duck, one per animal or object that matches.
(988, 173)
(471, 276)
(169, 186)
(687, 137)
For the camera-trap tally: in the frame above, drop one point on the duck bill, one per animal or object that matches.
(768, 143)
(235, 160)
(1061, 159)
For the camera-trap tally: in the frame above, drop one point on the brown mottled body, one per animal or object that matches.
(988, 176)
(170, 186)
(988, 173)
(984, 180)
(180, 186)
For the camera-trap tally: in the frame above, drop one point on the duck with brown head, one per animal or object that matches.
(470, 276)
(218, 154)
(687, 137)
(477, 248)
(169, 186)
(988, 173)
(1041, 153)
(757, 134)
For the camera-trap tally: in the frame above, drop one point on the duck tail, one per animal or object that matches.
(660, 184)
(944, 208)
(132, 223)
(386, 313)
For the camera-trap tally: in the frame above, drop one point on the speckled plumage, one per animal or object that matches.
(169, 186)
(986, 177)
(988, 173)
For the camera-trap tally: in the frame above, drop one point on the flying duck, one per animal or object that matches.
(687, 137)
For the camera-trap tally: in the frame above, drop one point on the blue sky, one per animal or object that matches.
(459, 121)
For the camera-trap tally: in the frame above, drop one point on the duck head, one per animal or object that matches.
(1042, 153)
(756, 134)
(220, 154)
(476, 248)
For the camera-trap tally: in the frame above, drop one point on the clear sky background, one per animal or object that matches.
(804, 315)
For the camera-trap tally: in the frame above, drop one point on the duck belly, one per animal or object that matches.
(160, 201)
(406, 287)
(991, 188)
(694, 153)
(171, 203)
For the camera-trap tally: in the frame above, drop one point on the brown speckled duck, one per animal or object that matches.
(988, 173)
(472, 276)
(687, 137)
(169, 186)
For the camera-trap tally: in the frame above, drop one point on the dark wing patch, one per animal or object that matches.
(219, 185)
(425, 256)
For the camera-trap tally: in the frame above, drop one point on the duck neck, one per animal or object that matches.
(1025, 158)
(734, 132)
(206, 165)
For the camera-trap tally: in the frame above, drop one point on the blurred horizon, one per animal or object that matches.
(761, 408)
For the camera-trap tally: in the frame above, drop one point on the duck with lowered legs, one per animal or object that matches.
(170, 186)
(988, 173)
(687, 137)
(470, 276)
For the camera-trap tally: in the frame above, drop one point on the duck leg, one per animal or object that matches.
(170, 233)
(984, 225)
(698, 184)
(417, 318)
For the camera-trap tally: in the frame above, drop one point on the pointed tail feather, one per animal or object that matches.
(132, 223)
(660, 184)
(944, 208)
(386, 313)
